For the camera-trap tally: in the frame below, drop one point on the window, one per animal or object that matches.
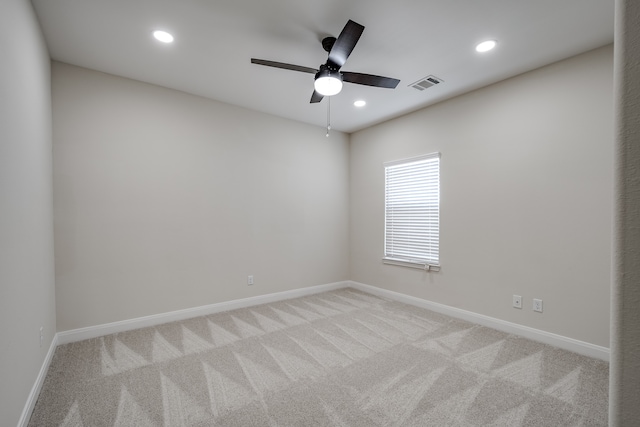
(412, 212)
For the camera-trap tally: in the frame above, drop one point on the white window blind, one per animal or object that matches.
(412, 211)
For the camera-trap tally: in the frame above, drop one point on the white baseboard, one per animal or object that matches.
(37, 386)
(576, 346)
(559, 341)
(80, 334)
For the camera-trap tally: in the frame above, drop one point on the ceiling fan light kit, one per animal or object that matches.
(328, 83)
(328, 79)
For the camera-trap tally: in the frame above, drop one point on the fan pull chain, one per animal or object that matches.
(328, 115)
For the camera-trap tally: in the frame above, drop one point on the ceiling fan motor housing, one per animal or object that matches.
(328, 71)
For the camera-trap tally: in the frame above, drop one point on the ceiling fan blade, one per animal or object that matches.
(316, 97)
(283, 65)
(344, 44)
(369, 80)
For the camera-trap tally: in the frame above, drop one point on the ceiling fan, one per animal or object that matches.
(329, 78)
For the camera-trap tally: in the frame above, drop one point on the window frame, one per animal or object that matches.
(431, 238)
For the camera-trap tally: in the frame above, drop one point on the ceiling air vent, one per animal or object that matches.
(426, 83)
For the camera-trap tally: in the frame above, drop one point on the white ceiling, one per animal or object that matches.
(403, 39)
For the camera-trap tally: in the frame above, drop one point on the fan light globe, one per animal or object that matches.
(328, 83)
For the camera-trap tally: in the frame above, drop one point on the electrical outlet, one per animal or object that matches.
(517, 301)
(249, 280)
(41, 335)
(537, 305)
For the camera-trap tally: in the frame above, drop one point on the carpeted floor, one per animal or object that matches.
(340, 358)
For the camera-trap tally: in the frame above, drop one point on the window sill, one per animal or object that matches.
(418, 265)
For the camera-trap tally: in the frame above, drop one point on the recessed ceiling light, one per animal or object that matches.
(360, 103)
(486, 46)
(163, 36)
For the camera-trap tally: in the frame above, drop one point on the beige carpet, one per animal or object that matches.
(340, 358)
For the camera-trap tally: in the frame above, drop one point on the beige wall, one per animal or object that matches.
(26, 218)
(166, 201)
(526, 202)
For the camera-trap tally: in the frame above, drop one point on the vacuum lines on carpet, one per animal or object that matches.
(339, 358)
